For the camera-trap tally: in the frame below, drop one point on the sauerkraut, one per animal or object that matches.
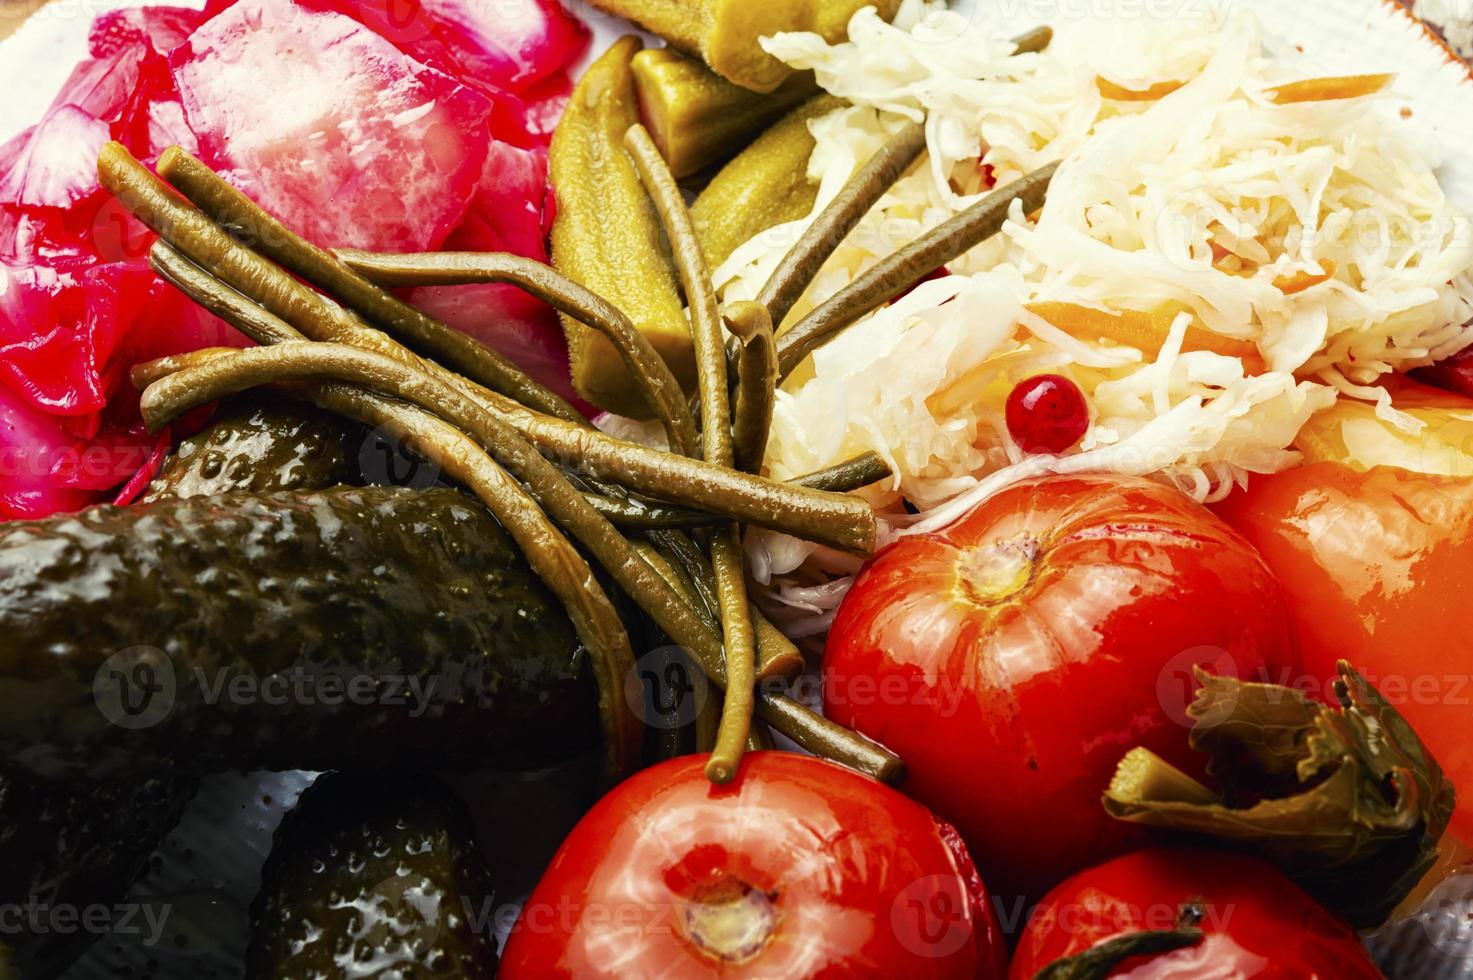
(1314, 233)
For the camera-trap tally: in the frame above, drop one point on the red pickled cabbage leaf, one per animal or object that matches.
(156, 29)
(68, 333)
(510, 44)
(506, 216)
(54, 163)
(494, 45)
(331, 128)
(369, 124)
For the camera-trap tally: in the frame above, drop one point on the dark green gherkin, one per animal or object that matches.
(74, 844)
(348, 628)
(374, 876)
(263, 443)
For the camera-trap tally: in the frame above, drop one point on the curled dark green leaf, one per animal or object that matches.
(1345, 798)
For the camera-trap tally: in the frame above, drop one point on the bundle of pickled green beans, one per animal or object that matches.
(547, 475)
(481, 426)
(564, 491)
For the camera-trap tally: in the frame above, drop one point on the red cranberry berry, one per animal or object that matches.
(1047, 413)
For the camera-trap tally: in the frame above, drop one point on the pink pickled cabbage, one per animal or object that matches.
(506, 216)
(158, 29)
(31, 441)
(48, 165)
(77, 301)
(498, 46)
(393, 124)
(69, 333)
(362, 146)
(508, 45)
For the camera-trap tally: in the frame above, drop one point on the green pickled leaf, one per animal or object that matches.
(1346, 800)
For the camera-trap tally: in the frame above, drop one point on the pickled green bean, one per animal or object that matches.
(357, 368)
(218, 298)
(756, 382)
(551, 556)
(727, 559)
(275, 241)
(790, 280)
(145, 374)
(634, 515)
(648, 370)
(832, 519)
(892, 274)
(208, 246)
(776, 654)
(861, 471)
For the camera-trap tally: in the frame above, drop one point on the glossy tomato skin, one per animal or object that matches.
(833, 875)
(1376, 567)
(1257, 924)
(1014, 658)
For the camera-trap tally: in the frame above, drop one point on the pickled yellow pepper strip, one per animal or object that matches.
(607, 237)
(698, 118)
(726, 33)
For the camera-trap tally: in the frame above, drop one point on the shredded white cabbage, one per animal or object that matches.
(1316, 233)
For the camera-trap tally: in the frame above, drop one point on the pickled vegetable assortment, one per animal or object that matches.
(955, 503)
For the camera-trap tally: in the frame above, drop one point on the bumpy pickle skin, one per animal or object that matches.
(263, 443)
(80, 844)
(341, 629)
(725, 33)
(765, 185)
(379, 869)
(696, 117)
(607, 237)
(74, 846)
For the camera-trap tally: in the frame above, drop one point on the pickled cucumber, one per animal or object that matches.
(75, 844)
(347, 628)
(725, 33)
(64, 848)
(374, 876)
(607, 237)
(263, 443)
